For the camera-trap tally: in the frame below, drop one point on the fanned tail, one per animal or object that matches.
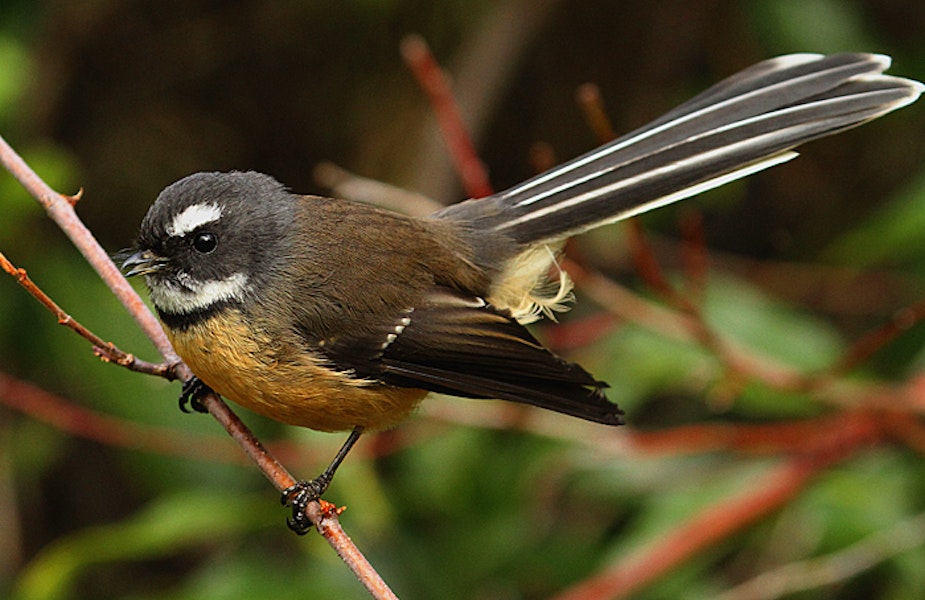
(744, 124)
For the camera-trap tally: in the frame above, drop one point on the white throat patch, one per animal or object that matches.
(192, 217)
(188, 296)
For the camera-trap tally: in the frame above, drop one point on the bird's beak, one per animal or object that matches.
(143, 262)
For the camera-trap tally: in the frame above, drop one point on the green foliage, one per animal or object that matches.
(173, 525)
(891, 236)
(813, 25)
(113, 97)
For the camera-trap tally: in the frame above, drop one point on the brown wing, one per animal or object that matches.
(465, 347)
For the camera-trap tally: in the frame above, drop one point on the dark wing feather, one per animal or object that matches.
(466, 347)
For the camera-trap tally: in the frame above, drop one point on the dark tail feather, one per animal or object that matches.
(744, 124)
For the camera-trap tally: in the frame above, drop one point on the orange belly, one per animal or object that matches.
(253, 371)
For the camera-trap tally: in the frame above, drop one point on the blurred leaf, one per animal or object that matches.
(756, 321)
(14, 76)
(639, 363)
(842, 495)
(248, 574)
(173, 523)
(893, 235)
(810, 25)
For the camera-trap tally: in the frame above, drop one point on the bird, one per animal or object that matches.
(340, 316)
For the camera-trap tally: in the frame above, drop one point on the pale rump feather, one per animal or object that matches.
(528, 291)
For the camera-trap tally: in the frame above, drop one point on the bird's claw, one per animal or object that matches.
(299, 496)
(191, 396)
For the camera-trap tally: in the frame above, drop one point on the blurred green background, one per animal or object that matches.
(121, 98)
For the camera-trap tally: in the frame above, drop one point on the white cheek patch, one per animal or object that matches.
(188, 296)
(192, 217)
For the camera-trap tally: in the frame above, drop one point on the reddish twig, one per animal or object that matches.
(580, 333)
(681, 325)
(107, 351)
(717, 522)
(435, 84)
(648, 267)
(773, 438)
(542, 157)
(695, 256)
(82, 422)
(695, 263)
(324, 516)
(591, 102)
(873, 341)
(908, 431)
(61, 210)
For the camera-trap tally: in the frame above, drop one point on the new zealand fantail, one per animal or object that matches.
(340, 316)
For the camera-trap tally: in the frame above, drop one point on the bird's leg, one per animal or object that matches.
(191, 396)
(300, 494)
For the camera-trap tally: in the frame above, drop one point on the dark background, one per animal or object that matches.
(121, 98)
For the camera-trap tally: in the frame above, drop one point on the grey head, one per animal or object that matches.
(211, 239)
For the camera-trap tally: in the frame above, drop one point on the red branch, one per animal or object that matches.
(773, 438)
(719, 521)
(324, 516)
(435, 84)
(79, 421)
(107, 351)
(591, 102)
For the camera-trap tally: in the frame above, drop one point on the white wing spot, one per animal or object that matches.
(193, 217)
(404, 322)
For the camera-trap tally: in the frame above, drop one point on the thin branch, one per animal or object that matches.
(647, 266)
(348, 185)
(680, 326)
(484, 68)
(82, 422)
(324, 516)
(742, 363)
(434, 82)
(542, 157)
(695, 259)
(61, 210)
(695, 256)
(834, 568)
(714, 523)
(876, 339)
(107, 351)
(591, 102)
(774, 438)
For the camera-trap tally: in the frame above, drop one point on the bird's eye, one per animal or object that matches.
(205, 242)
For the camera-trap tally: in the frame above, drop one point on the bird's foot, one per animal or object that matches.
(191, 395)
(299, 496)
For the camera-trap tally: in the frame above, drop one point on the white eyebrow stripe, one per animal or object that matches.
(192, 217)
(192, 296)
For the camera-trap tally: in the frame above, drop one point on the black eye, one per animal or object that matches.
(205, 242)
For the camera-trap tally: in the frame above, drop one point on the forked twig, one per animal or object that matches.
(107, 351)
